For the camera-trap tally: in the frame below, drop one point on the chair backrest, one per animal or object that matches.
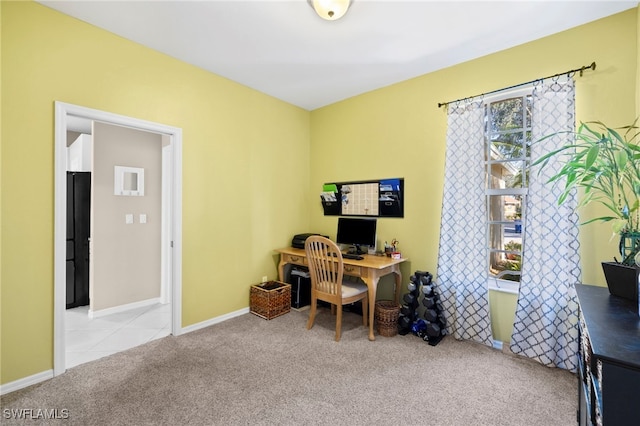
(325, 267)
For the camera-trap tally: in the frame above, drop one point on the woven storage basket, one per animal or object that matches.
(386, 317)
(270, 299)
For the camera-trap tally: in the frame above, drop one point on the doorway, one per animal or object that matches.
(171, 213)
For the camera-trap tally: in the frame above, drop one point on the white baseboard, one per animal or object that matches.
(25, 382)
(212, 321)
(46, 375)
(123, 308)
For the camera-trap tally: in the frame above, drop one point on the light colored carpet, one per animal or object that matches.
(250, 371)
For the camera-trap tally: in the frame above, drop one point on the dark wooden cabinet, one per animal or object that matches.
(609, 359)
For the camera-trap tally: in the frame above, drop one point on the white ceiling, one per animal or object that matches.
(283, 49)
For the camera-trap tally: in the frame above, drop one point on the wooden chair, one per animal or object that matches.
(326, 270)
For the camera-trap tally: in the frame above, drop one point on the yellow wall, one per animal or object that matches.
(637, 91)
(240, 197)
(1, 317)
(399, 131)
(243, 194)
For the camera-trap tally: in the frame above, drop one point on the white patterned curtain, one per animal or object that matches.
(545, 326)
(462, 267)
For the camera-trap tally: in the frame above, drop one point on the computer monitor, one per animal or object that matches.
(356, 232)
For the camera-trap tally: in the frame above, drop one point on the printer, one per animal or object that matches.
(299, 239)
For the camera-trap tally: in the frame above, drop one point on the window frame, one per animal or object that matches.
(494, 283)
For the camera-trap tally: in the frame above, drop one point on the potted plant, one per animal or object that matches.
(605, 163)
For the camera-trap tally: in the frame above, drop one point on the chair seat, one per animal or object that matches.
(326, 267)
(352, 288)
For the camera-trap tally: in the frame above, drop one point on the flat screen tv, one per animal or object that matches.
(356, 232)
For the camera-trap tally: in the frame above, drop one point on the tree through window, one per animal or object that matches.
(507, 156)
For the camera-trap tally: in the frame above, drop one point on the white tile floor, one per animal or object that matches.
(89, 339)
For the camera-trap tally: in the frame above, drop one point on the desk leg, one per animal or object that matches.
(372, 285)
(281, 269)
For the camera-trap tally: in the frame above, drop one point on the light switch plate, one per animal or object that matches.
(143, 218)
(128, 218)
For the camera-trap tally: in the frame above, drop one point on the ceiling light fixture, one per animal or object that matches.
(330, 10)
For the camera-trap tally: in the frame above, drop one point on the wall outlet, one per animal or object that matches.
(265, 279)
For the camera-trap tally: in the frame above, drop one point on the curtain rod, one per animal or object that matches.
(581, 69)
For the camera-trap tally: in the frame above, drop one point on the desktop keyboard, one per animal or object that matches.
(352, 256)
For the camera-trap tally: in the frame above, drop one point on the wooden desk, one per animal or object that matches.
(369, 269)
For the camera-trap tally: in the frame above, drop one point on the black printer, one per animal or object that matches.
(299, 239)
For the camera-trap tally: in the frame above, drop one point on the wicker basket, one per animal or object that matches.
(270, 299)
(386, 317)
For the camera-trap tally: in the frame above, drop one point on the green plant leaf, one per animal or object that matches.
(633, 147)
(599, 219)
(592, 155)
(621, 159)
(618, 225)
(604, 163)
(616, 135)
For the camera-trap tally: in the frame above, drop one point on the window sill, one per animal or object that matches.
(504, 286)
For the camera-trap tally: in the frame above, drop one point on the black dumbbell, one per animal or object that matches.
(404, 322)
(407, 310)
(429, 302)
(427, 290)
(410, 299)
(431, 315)
(433, 329)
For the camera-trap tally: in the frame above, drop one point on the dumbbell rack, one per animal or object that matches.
(431, 327)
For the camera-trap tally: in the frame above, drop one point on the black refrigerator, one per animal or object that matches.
(78, 233)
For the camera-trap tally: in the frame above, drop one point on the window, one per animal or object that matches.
(507, 157)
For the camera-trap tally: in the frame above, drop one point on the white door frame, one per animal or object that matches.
(172, 229)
